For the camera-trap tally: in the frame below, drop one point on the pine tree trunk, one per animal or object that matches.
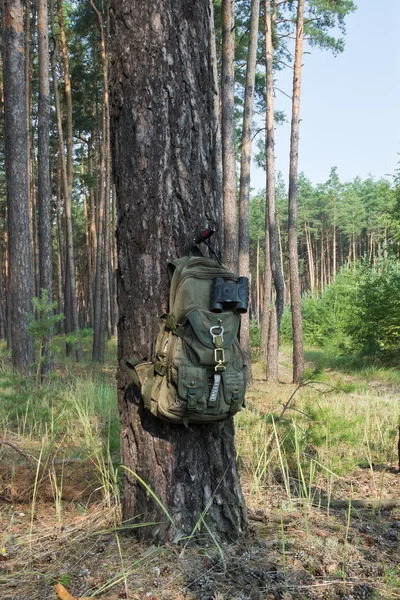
(277, 277)
(44, 189)
(3, 333)
(245, 166)
(231, 244)
(101, 280)
(89, 289)
(311, 268)
(16, 159)
(114, 260)
(334, 249)
(258, 295)
(71, 293)
(273, 348)
(322, 262)
(163, 142)
(34, 227)
(92, 205)
(267, 299)
(107, 248)
(8, 290)
(30, 153)
(60, 244)
(328, 260)
(295, 290)
(217, 111)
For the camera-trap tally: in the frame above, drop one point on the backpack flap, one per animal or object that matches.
(192, 386)
(197, 334)
(234, 384)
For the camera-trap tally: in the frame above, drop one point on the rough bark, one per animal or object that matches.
(16, 159)
(245, 166)
(295, 290)
(44, 189)
(277, 277)
(231, 244)
(163, 142)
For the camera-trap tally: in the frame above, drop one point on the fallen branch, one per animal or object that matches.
(14, 447)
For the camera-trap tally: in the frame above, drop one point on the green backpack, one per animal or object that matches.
(196, 373)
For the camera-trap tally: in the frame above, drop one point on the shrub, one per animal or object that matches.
(359, 312)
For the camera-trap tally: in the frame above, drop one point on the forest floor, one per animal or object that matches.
(322, 489)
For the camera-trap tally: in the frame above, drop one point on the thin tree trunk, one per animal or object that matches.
(273, 348)
(44, 188)
(92, 205)
(295, 290)
(60, 245)
(114, 261)
(245, 166)
(231, 246)
(322, 261)
(8, 290)
(101, 289)
(328, 260)
(258, 305)
(3, 325)
(28, 121)
(89, 291)
(280, 245)
(334, 250)
(267, 299)
(217, 111)
(68, 174)
(277, 277)
(107, 248)
(35, 226)
(16, 159)
(311, 268)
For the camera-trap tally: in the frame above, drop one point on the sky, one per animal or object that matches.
(350, 104)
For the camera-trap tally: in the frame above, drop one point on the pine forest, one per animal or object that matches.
(243, 447)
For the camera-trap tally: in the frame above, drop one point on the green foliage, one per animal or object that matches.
(52, 408)
(359, 312)
(308, 434)
(376, 323)
(41, 324)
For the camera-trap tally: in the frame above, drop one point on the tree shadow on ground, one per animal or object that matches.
(354, 364)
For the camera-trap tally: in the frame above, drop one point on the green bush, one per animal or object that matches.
(324, 318)
(375, 325)
(359, 312)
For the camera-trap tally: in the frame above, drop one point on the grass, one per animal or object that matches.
(370, 368)
(339, 427)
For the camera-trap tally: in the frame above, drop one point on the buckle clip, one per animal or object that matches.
(217, 338)
(219, 357)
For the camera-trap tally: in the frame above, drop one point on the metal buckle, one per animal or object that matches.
(217, 338)
(219, 357)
